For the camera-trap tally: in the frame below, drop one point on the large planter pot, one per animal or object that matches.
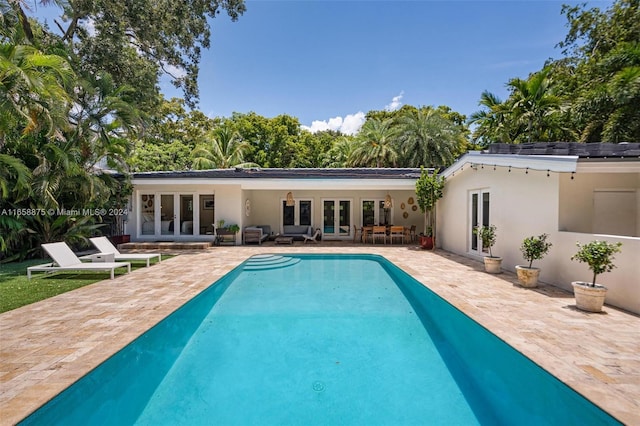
(493, 264)
(589, 298)
(528, 277)
(120, 239)
(426, 243)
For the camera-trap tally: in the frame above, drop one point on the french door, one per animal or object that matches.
(337, 218)
(479, 208)
(166, 214)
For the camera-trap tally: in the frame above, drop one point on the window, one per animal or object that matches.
(374, 213)
(298, 214)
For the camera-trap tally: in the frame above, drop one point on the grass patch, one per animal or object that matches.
(16, 290)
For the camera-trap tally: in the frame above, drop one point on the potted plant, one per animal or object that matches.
(492, 264)
(532, 248)
(599, 256)
(429, 189)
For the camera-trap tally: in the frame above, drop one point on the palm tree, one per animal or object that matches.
(225, 149)
(32, 90)
(428, 139)
(534, 105)
(375, 145)
(493, 122)
(104, 121)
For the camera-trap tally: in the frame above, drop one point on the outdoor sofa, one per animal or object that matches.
(297, 231)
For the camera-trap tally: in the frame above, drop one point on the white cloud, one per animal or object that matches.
(351, 123)
(395, 102)
(348, 125)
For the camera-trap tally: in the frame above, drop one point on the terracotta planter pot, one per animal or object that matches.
(528, 277)
(426, 243)
(589, 298)
(493, 265)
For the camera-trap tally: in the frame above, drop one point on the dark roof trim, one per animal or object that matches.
(581, 150)
(259, 173)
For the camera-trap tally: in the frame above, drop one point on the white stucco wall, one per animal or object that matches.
(524, 204)
(577, 209)
(623, 283)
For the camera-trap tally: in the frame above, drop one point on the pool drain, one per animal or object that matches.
(318, 386)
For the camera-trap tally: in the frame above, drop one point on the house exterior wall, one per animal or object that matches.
(524, 204)
(266, 205)
(623, 282)
(578, 210)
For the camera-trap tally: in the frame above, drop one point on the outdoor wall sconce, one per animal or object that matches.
(290, 201)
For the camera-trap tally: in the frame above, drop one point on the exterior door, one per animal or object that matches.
(337, 219)
(479, 208)
(167, 214)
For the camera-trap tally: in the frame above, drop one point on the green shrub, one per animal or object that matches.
(534, 248)
(598, 255)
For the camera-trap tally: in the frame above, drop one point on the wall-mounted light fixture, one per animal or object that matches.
(290, 201)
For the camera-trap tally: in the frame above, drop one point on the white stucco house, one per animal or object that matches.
(572, 191)
(184, 206)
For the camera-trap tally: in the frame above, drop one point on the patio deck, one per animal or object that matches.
(46, 346)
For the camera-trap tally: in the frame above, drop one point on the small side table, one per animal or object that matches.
(103, 257)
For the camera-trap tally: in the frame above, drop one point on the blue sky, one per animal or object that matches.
(336, 60)
(330, 62)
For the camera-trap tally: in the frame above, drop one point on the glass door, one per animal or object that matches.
(186, 214)
(336, 218)
(167, 214)
(479, 216)
(147, 220)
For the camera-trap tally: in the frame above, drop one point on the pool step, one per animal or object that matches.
(269, 261)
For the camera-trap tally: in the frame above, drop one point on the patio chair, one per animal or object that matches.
(313, 237)
(378, 232)
(396, 232)
(357, 234)
(104, 246)
(65, 260)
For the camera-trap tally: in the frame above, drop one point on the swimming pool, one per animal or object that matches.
(318, 340)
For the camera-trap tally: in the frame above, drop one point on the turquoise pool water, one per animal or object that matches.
(318, 340)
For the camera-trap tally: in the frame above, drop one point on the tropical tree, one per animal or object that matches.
(33, 97)
(135, 42)
(533, 106)
(599, 75)
(375, 145)
(429, 139)
(493, 123)
(223, 149)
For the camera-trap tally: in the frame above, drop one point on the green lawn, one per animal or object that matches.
(16, 290)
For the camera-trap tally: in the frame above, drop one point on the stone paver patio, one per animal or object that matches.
(46, 346)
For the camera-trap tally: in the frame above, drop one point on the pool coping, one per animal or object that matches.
(48, 345)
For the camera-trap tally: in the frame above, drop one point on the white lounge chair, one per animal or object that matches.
(66, 260)
(104, 246)
(313, 237)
